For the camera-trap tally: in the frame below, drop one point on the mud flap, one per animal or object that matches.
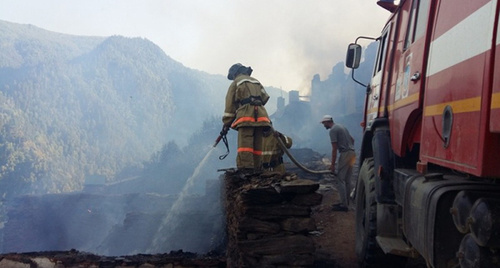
(384, 165)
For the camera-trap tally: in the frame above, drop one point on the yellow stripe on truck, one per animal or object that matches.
(460, 106)
(495, 100)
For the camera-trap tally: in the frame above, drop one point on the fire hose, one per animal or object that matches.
(298, 164)
(222, 136)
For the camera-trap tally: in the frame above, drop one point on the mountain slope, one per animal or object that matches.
(73, 106)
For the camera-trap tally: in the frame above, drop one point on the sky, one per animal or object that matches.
(286, 42)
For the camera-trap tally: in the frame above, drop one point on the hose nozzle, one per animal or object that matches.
(217, 141)
(222, 133)
(222, 136)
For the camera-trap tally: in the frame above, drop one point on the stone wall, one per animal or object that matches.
(269, 220)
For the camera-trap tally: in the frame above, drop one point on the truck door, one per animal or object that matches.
(495, 98)
(456, 104)
(409, 68)
(373, 107)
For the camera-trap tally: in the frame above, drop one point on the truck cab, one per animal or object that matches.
(431, 137)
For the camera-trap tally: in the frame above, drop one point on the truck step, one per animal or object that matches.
(396, 246)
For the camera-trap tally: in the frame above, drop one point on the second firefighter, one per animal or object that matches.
(272, 154)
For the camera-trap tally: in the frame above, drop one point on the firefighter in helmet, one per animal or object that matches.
(272, 154)
(245, 112)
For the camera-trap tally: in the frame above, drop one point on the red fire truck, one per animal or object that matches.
(429, 182)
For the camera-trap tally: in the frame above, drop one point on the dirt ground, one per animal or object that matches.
(336, 236)
(336, 233)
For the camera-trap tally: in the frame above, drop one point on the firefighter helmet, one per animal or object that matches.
(233, 71)
(237, 69)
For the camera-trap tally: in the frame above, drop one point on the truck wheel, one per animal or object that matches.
(368, 252)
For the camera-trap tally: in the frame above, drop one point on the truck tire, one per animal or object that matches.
(368, 252)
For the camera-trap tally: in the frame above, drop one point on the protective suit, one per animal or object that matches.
(272, 154)
(245, 112)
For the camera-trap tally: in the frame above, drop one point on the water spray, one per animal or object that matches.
(170, 221)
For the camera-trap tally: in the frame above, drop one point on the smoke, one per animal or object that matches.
(285, 43)
(101, 221)
(108, 221)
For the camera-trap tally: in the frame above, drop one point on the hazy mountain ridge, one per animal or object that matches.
(71, 110)
(76, 114)
(20, 44)
(73, 106)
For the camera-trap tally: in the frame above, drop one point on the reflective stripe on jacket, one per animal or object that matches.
(249, 150)
(251, 114)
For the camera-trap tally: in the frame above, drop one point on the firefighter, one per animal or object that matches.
(245, 112)
(272, 154)
(342, 142)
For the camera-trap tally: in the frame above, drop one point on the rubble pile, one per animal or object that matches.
(73, 258)
(310, 159)
(269, 221)
(112, 224)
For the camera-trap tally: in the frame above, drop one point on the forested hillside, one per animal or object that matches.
(73, 106)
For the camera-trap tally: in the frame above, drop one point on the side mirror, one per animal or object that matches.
(353, 56)
(388, 4)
